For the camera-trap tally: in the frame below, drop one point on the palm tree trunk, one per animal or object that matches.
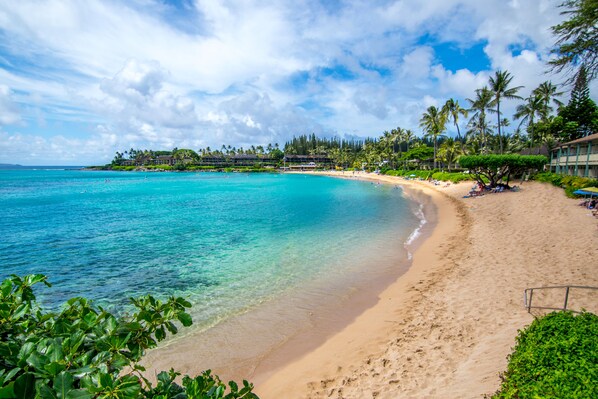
(435, 141)
(499, 136)
(459, 135)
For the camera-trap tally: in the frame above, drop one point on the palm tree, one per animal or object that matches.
(481, 104)
(499, 84)
(547, 91)
(449, 152)
(433, 121)
(408, 137)
(453, 110)
(387, 142)
(534, 106)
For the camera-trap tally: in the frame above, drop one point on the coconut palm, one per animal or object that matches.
(433, 121)
(449, 152)
(453, 110)
(408, 137)
(548, 92)
(399, 137)
(527, 112)
(480, 105)
(499, 84)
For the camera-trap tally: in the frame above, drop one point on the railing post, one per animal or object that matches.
(529, 304)
(566, 297)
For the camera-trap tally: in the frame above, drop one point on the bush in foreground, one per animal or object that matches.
(86, 352)
(555, 357)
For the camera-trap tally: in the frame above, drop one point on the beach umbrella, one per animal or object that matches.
(591, 191)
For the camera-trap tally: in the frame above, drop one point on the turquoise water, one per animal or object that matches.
(226, 241)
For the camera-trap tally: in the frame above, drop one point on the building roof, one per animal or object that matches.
(306, 156)
(591, 137)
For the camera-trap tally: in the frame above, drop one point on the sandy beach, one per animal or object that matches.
(442, 329)
(445, 328)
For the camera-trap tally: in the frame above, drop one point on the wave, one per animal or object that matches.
(419, 212)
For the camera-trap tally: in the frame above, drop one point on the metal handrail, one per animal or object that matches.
(528, 303)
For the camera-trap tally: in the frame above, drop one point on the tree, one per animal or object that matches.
(499, 84)
(495, 169)
(433, 121)
(453, 110)
(577, 39)
(449, 152)
(581, 109)
(528, 111)
(409, 137)
(481, 104)
(548, 93)
(85, 352)
(418, 153)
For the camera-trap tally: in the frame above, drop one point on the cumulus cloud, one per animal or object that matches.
(138, 103)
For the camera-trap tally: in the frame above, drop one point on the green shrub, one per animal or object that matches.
(569, 183)
(498, 169)
(453, 177)
(419, 174)
(555, 357)
(124, 168)
(85, 352)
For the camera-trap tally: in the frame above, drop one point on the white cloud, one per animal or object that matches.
(9, 113)
(141, 78)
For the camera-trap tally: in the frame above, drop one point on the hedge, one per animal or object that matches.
(555, 357)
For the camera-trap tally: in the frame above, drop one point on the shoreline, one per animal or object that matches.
(445, 328)
(371, 328)
(220, 349)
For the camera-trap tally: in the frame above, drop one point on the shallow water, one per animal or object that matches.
(228, 242)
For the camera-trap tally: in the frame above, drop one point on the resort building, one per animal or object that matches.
(576, 158)
(304, 162)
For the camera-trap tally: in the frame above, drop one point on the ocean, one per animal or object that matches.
(229, 242)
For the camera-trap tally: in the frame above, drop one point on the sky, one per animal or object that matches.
(80, 80)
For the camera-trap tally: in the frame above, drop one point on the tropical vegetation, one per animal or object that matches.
(84, 351)
(554, 357)
(544, 120)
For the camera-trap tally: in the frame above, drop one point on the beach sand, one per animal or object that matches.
(445, 328)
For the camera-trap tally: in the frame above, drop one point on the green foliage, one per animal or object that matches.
(569, 183)
(418, 174)
(577, 37)
(555, 357)
(421, 153)
(498, 168)
(580, 116)
(123, 168)
(84, 351)
(453, 177)
(276, 154)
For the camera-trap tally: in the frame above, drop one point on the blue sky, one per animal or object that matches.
(81, 80)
